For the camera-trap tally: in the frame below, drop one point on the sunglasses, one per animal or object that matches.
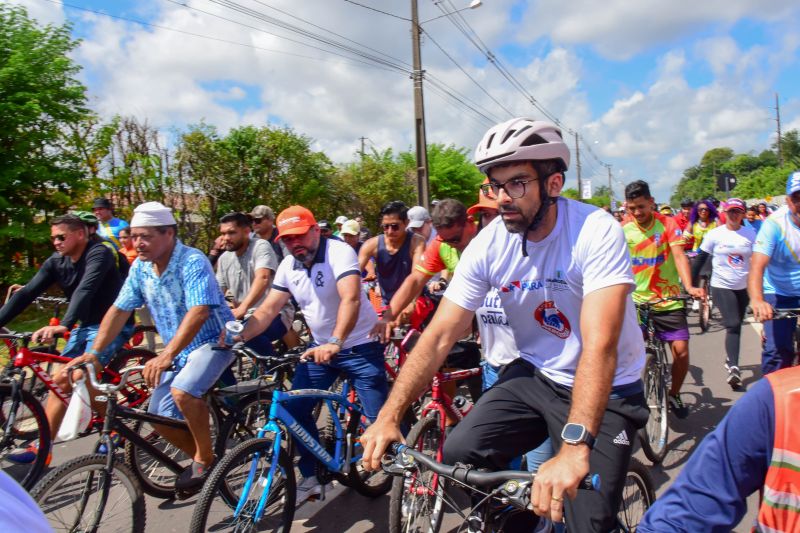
(456, 239)
(394, 226)
(702, 209)
(258, 220)
(61, 237)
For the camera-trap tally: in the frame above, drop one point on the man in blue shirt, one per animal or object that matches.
(177, 284)
(108, 225)
(774, 279)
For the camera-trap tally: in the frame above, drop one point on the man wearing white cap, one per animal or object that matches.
(420, 222)
(177, 284)
(341, 219)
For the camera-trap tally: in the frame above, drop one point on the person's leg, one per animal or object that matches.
(309, 376)
(671, 327)
(597, 510)
(364, 365)
(680, 364)
(778, 336)
(203, 368)
(163, 403)
(727, 302)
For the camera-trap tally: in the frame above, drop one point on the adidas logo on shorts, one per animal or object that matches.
(622, 439)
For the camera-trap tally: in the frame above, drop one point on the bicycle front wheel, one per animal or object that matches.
(22, 422)
(243, 473)
(416, 503)
(654, 434)
(81, 495)
(705, 307)
(637, 496)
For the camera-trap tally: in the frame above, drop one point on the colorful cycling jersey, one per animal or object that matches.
(779, 238)
(696, 231)
(730, 251)
(543, 293)
(653, 263)
(438, 256)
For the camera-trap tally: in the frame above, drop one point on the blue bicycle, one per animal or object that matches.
(253, 488)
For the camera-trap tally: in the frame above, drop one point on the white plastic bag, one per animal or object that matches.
(79, 412)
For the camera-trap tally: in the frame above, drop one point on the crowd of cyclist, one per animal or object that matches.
(529, 265)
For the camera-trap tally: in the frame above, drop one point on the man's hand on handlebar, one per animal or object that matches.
(559, 478)
(761, 310)
(81, 359)
(322, 354)
(376, 439)
(48, 333)
(697, 292)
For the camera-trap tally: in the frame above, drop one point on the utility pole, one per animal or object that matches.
(778, 120)
(578, 161)
(362, 146)
(610, 190)
(423, 193)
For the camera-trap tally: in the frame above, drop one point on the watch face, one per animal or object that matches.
(573, 432)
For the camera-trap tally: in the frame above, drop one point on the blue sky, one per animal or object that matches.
(648, 86)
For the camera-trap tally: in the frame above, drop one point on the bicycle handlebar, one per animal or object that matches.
(105, 388)
(467, 474)
(57, 300)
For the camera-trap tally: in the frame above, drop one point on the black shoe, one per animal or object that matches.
(734, 377)
(676, 406)
(192, 478)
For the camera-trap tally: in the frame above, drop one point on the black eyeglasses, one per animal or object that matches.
(515, 188)
(61, 237)
(456, 239)
(394, 226)
(258, 220)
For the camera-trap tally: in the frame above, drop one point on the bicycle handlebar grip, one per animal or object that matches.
(591, 482)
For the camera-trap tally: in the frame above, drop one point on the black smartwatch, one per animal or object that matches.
(574, 434)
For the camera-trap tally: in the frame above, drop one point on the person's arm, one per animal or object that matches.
(349, 289)
(710, 493)
(266, 312)
(755, 287)
(684, 272)
(365, 253)
(113, 322)
(408, 292)
(593, 378)
(261, 282)
(421, 364)
(23, 297)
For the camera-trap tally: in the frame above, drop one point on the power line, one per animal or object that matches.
(378, 10)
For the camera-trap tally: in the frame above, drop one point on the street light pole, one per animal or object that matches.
(423, 191)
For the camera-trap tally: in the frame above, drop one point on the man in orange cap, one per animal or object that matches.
(484, 211)
(323, 276)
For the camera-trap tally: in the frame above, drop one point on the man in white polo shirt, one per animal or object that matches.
(323, 277)
(563, 275)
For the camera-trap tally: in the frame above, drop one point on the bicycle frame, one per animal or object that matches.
(27, 358)
(280, 418)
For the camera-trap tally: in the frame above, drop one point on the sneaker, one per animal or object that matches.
(115, 439)
(26, 456)
(309, 488)
(695, 305)
(677, 406)
(734, 377)
(192, 478)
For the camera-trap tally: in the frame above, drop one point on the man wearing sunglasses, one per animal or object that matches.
(774, 278)
(87, 272)
(564, 279)
(264, 227)
(393, 252)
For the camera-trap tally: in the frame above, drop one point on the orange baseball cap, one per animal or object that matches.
(294, 220)
(484, 202)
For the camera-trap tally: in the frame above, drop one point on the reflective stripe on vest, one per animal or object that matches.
(780, 505)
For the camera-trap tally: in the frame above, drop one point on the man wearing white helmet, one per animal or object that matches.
(564, 278)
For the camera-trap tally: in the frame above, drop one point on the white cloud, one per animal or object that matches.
(43, 12)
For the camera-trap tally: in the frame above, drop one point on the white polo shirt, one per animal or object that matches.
(542, 294)
(315, 291)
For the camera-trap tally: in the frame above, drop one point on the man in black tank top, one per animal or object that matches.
(390, 256)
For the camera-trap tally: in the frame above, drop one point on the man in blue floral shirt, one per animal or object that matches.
(177, 284)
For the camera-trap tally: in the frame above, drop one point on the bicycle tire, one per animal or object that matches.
(654, 435)
(156, 479)
(405, 503)
(30, 425)
(638, 495)
(59, 494)
(233, 471)
(705, 307)
(243, 424)
(135, 392)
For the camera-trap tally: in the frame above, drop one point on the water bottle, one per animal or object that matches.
(232, 329)
(462, 404)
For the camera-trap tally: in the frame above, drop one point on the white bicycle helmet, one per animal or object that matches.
(521, 139)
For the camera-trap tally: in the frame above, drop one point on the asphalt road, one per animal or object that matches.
(705, 392)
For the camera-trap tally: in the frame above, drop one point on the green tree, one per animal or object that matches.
(41, 105)
(451, 174)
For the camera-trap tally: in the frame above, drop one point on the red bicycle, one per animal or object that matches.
(22, 418)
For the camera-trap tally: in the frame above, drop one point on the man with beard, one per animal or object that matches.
(246, 269)
(323, 276)
(564, 278)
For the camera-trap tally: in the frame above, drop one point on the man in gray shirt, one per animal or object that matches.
(245, 270)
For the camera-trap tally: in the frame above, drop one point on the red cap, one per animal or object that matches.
(735, 203)
(294, 220)
(484, 202)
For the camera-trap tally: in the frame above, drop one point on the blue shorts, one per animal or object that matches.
(203, 368)
(82, 338)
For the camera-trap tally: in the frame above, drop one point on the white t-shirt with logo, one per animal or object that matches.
(315, 291)
(730, 252)
(497, 338)
(542, 294)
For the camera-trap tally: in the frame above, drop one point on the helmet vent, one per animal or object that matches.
(533, 140)
(509, 134)
(489, 142)
(519, 132)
